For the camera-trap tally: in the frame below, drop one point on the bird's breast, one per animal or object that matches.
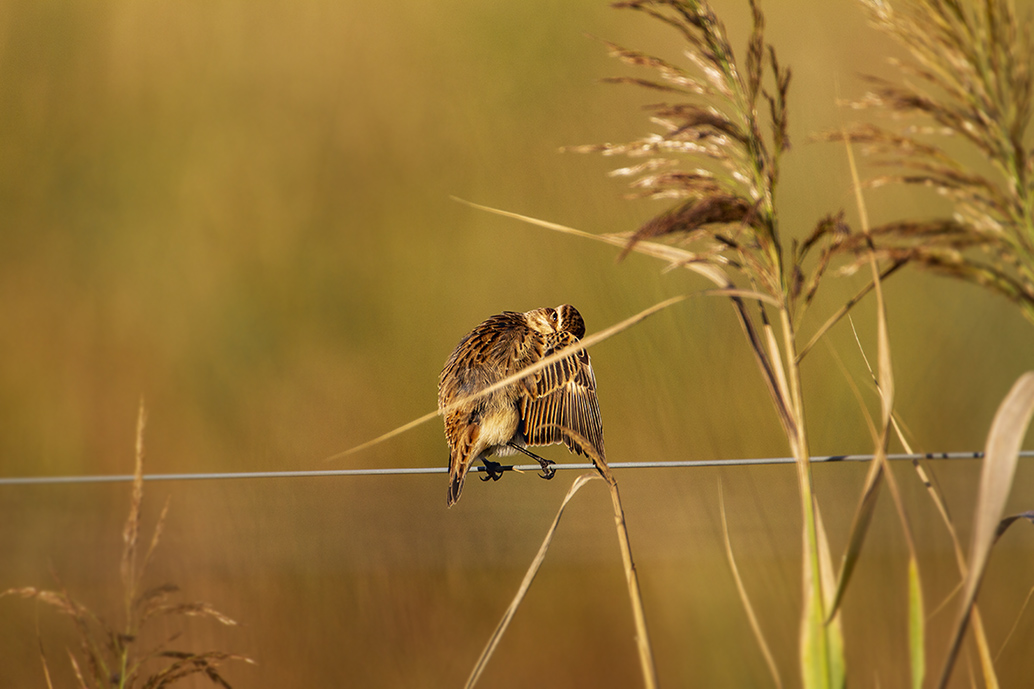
(499, 424)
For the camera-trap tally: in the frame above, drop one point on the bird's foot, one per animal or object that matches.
(548, 471)
(494, 470)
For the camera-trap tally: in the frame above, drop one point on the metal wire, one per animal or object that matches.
(115, 478)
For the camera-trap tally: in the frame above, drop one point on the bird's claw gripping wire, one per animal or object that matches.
(494, 470)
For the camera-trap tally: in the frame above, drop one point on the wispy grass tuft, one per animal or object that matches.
(112, 657)
(725, 199)
(971, 79)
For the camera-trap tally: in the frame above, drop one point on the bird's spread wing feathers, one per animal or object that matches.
(563, 407)
(557, 404)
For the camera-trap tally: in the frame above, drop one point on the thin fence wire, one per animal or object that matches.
(521, 468)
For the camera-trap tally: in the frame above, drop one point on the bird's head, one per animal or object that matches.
(564, 318)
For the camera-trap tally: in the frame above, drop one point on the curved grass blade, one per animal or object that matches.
(642, 639)
(859, 528)
(845, 309)
(43, 658)
(533, 569)
(1000, 457)
(885, 386)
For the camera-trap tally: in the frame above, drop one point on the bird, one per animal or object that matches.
(556, 404)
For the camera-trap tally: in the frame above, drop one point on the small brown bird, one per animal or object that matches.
(556, 404)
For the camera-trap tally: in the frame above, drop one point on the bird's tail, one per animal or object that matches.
(457, 472)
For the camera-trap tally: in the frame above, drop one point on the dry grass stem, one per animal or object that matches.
(533, 569)
(131, 531)
(43, 660)
(646, 662)
(631, 577)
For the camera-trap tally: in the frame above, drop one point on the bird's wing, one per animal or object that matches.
(496, 348)
(563, 405)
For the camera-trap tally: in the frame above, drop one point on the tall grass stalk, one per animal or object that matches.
(727, 214)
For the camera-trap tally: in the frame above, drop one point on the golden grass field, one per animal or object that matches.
(240, 212)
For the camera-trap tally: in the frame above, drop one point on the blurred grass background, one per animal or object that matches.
(241, 212)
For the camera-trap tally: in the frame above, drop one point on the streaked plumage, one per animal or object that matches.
(556, 404)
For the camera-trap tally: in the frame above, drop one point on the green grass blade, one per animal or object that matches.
(833, 628)
(816, 670)
(814, 666)
(916, 626)
(1000, 457)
